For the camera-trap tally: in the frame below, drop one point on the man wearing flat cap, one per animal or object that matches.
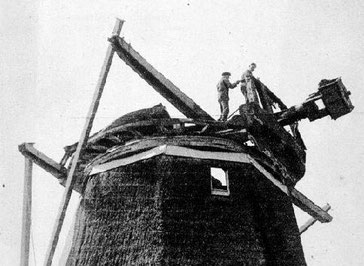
(223, 87)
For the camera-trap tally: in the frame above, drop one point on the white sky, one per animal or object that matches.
(52, 52)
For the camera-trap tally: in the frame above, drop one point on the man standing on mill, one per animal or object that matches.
(257, 92)
(249, 92)
(223, 87)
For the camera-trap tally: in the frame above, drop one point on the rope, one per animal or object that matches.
(31, 235)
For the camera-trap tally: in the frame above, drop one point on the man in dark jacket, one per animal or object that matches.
(223, 87)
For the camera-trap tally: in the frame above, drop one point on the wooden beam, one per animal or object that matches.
(154, 122)
(82, 142)
(27, 212)
(312, 220)
(297, 197)
(308, 206)
(158, 81)
(43, 161)
(173, 150)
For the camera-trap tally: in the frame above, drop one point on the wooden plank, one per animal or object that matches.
(239, 157)
(27, 212)
(153, 122)
(173, 150)
(43, 161)
(82, 142)
(297, 197)
(308, 206)
(144, 144)
(312, 220)
(269, 176)
(158, 81)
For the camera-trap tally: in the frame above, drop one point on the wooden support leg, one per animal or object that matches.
(27, 210)
(83, 140)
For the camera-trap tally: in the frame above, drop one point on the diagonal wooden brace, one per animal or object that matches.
(82, 142)
(296, 197)
(158, 81)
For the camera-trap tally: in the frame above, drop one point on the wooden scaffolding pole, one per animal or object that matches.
(82, 142)
(27, 212)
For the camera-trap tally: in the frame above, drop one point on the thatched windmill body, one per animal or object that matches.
(163, 191)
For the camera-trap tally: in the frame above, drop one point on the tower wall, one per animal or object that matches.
(161, 212)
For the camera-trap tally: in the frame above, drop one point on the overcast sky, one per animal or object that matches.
(52, 52)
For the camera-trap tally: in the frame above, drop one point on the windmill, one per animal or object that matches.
(176, 191)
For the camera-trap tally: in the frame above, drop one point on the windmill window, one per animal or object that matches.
(219, 182)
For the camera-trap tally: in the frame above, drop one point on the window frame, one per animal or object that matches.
(218, 191)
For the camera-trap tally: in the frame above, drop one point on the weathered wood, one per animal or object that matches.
(138, 146)
(269, 176)
(312, 220)
(83, 139)
(297, 197)
(158, 81)
(171, 122)
(196, 142)
(27, 212)
(173, 150)
(275, 142)
(308, 206)
(267, 97)
(335, 98)
(43, 161)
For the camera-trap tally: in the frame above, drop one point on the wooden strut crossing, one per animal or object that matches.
(312, 220)
(169, 91)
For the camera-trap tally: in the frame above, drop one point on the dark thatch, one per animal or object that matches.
(161, 212)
